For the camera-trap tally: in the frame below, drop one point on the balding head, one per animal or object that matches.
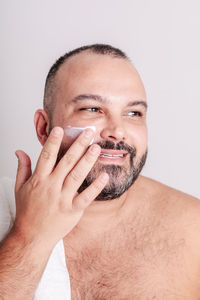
(51, 85)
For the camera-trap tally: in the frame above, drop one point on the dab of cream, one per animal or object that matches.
(74, 132)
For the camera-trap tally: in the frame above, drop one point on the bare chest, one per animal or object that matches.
(129, 264)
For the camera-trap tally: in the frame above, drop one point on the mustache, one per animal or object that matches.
(119, 146)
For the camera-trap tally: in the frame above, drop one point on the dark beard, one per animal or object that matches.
(120, 177)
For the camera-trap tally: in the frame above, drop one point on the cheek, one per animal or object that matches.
(80, 122)
(139, 138)
(67, 142)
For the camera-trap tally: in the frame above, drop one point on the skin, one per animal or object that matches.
(118, 82)
(159, 235)
(47, 209)
(145, 205)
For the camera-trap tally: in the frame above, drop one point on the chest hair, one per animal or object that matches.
(126, 263)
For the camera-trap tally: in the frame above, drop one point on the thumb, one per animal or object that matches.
(23, 170)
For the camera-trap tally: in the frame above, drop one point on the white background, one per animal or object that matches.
(161, 37)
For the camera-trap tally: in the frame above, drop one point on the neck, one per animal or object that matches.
(102, 215)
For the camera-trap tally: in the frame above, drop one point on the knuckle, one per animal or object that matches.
(83, 142)
(85, 198)
(75, 176)
(69, 158)
(64, 207)
(20, 167)
(97, 185)
(35, 181)
(53, 140)
(50, 190)
(45, 154)
(89, 158)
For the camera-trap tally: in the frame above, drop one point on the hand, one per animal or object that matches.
(47, 203)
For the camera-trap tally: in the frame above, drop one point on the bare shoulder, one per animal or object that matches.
(166, 192)
(174, 206)
(176, 210)
(168, 201)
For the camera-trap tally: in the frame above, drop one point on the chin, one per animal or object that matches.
(121, 178)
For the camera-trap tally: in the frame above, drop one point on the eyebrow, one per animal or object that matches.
(103, 100)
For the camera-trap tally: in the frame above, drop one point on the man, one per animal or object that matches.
(125, 236)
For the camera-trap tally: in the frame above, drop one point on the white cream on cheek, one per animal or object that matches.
(74, 132)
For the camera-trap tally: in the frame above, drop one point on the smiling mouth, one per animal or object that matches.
(112, 156)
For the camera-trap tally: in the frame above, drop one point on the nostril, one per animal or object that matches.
(112, 137)
(113, 133)
(117, 137)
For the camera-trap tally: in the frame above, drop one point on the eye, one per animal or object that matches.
(90, 109)
(135, 113)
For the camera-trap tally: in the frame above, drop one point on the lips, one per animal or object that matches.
(112, 154)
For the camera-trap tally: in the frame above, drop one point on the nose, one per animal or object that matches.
(113, 131)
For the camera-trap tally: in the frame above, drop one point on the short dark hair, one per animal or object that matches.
(50, 85)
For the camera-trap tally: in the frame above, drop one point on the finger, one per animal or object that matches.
(81, 170)
(48, 155)
(23, 170)
(84, 199)
(73, 155)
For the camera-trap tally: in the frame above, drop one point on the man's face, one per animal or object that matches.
(105, 92)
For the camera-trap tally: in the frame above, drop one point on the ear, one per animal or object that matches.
(41, 122)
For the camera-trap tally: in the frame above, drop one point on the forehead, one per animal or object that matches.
(104, 75)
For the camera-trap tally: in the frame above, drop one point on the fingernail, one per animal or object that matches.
(94, 149)
(16, 155)
(88, 133)
(57, 131)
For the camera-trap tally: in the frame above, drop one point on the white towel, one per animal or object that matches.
(55, 281)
